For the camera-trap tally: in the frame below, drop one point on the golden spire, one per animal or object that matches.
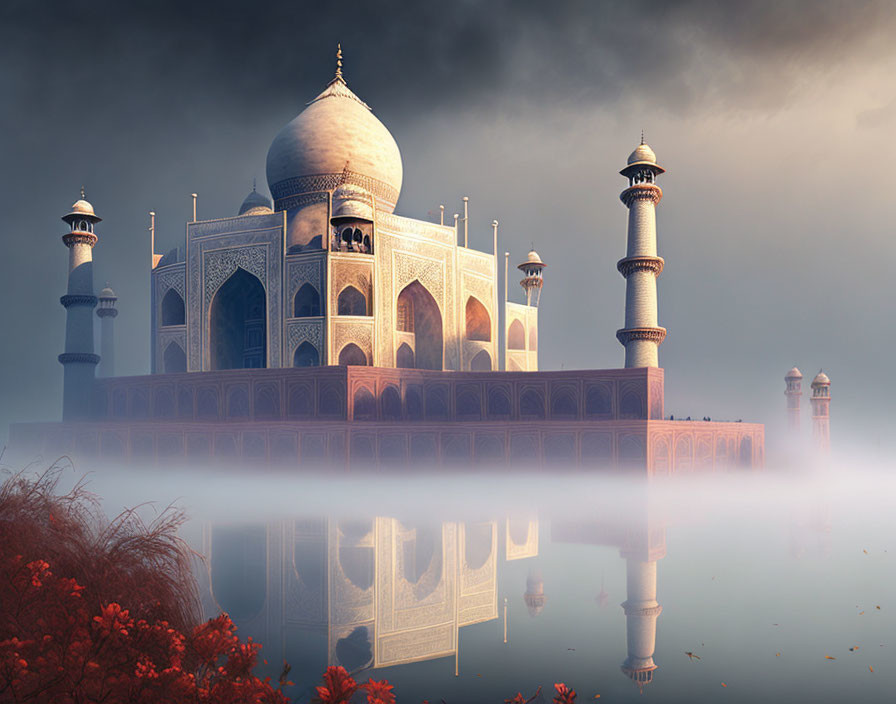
(82, 193)
(339, 61)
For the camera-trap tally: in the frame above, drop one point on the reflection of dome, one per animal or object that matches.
(336, 138)
(821, 379)
(534, 596)
(794, 374)
(642, 154)
(255, 204)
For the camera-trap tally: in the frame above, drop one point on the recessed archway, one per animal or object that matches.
(173, 312)
(516, 336)
(238, 330)
(306, 355)
(351, 302)
(482, 362)
(307, 302)
(479, 323)
(175, 359)
(419, 313)
(404, 357)
(352, 355)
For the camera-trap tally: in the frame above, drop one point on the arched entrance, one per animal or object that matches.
(306, 356)
(479, 323)
(482, 362)
(418, 312)
(238, 330)
(175, 359)
(351, 354)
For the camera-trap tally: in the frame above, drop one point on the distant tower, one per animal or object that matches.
(641, 335)
(533, 279)
(534, 596)
(79, 360)
(107, 313)
(821, 411)
(794, 392)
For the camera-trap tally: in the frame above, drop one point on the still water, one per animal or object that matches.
(768, 587)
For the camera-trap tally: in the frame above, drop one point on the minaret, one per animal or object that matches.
(821, 411)
(793, 392)
(79, 360)
(107, 313)
(640, 267)
(533, 279)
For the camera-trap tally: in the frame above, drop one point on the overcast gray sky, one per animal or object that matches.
(774, 121)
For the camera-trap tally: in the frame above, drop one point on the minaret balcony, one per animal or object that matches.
(641, 191)
(643, 263)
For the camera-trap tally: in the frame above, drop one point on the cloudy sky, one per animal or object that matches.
(774, 120)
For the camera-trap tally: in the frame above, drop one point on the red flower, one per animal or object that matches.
(565, 695)
(339, 687)
(379, 692)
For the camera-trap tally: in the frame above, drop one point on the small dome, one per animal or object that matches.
(82, 207)
(794, 374)
(351, 202)
(642, 154)
(256, 204)
(532, 260)
(107, 293)
(821, 379)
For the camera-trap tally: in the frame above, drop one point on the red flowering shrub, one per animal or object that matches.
(564, 695)
(96, 612)
(339, 687)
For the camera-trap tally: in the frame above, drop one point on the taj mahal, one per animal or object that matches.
(320, 326)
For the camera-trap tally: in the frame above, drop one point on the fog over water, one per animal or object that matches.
(768, 579)
(771, 118)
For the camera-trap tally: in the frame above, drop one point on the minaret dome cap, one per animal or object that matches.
(821, 379)
(256, 204)
(642, 154)
(108, 293)
(532, 259)
(794, 374)
(82, 208)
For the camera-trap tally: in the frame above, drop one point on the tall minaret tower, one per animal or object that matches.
(640, 267)
(533, 277)
(107, 313)
(821, 411)
(78, 360)
(793, 392)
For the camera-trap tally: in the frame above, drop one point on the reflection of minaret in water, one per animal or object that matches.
(534, 596)
(641, 611)
(602, 598)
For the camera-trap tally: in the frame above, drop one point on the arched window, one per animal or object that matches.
(352, 355)
(306, 355)
(364, 405)
(532, 404)
(82, 226)
(482, 362)
(597, 401)
(390, 402)
(351, 302)
(404, 357)
(173, 312)
(479, 323)
(307, 302)
(632, 406)
(516, 336)
(175, 359)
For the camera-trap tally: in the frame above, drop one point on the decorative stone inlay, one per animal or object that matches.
(107, 312)
(647, 611)
(301, 201)
(221, 263)
(72, 238)
(86, 357)
(481, 288)
(174, 278)
(300, 273)
(641, 191)
(310, 331)
(327, 182)
(77, 299)
(480, 262)
(359, 333)
(429, 272)
(626, 335)
(630, 264)
(408, 226)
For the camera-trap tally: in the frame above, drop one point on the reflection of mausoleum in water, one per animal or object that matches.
(321, 326)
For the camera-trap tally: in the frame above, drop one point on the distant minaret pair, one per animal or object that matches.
(821, 406)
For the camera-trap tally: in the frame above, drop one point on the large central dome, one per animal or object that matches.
(336, 139)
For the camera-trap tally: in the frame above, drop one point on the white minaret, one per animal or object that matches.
(107, 312)
(793, 392)
(641, 612)
(79, 360)
(640, 267)
(821, 411)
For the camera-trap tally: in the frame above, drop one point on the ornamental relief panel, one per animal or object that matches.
(359, 333)
(220, 264)
(300, 273)
(175, 279)
(306, 331)
(398, 226)
(480, 287)
(479, 262)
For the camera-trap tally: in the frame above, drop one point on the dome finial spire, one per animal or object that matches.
(338, 60)
(82, 193)
(642, 136)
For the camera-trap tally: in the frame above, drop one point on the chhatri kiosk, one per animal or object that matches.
(320, 326)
